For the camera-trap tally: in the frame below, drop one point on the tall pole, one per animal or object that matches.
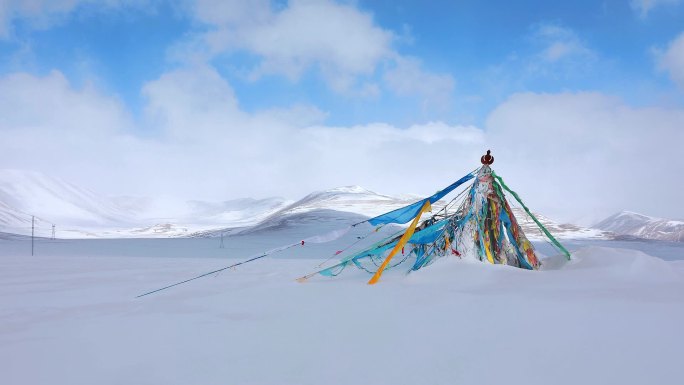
(221, 246)
(53, 232)
(33, 226)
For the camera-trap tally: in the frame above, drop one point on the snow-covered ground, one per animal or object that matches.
(68, 316)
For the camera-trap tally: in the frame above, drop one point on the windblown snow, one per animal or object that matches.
(610, 316)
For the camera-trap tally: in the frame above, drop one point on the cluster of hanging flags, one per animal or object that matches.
(479, 225)
(482, 226)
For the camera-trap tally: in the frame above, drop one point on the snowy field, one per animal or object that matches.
(68, 316)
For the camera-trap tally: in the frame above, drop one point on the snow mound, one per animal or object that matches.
(621, 263)
(598, 264)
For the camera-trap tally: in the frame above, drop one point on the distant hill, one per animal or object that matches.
(81, 213)
(631, 224)
(351, 204)
(52, 201)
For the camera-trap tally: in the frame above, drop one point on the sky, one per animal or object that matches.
(581, 103)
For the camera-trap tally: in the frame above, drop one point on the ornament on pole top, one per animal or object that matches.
(487, 159)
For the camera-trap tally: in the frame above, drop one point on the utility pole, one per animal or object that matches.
(221, 246)
(33, 226)
(53, 232)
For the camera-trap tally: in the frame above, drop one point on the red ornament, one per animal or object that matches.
(487, 159)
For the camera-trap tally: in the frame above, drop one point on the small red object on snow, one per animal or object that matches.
(302, 243)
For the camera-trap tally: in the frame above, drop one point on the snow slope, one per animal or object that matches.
(364, 203)
(200, 218)
(558, 230)
(352, 199)
(632, 224)
(81, 213)
(326, 210)
(13, 218)
(609, 317)
(25, 193)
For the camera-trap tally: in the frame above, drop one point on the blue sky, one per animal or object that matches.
(303, 74)
(490, 49)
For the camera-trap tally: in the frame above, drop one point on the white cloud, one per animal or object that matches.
(43, 14)
(280, 151)
(227, 13)
(62, 108)
(560, 43)
(185, 103)
(585, 155)
(46, 124)
(337, 39)
(408, 78)
(204, 146)
(553, 56)
(571, 156)
(672, 60)
(643, 7)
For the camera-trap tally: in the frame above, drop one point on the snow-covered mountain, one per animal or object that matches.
(636, 225)
(12, 218)
(80, 213)
(329, 209)
(558, 230)
(353, 199)
(200, 218)
(236, 212)
(351, 204)
(53, 201)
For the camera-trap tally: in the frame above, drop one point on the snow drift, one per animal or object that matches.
(612, 316)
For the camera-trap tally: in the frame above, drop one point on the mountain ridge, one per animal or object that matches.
(636, 225)
(122, 217)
